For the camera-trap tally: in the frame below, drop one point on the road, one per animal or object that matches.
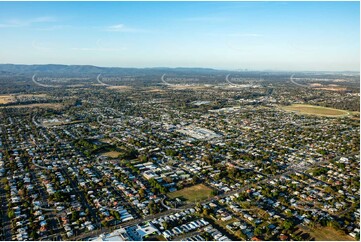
(301, 85)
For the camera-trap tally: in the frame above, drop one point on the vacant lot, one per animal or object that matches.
(121, 88)
(315, 110)
(327, 234)
(4, 99)
(38, 105)
(194, 193)
(31, 95)
(332, 88)
(193, 87)
(155, 90)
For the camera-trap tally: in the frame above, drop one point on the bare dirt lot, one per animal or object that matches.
(37, 105)
(4, 99)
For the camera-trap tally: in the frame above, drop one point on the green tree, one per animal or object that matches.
(205, 212)
(287, 224)
(142, 193)
(7, 188)
(165, 225)
(258, 231)
(11, 214)
(117, 216)
(74, 215)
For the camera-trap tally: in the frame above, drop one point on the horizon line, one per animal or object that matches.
(178, 67)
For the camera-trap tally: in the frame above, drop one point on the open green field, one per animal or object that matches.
(315, 110)
(195, 193)
(328, 234)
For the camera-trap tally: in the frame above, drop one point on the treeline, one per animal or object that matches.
(89, 148)
(157, 187)
(347, 104)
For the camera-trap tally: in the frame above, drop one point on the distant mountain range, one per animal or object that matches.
(89, 69)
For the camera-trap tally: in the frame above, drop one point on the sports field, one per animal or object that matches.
(111, 154)
(315, 110)
(195, 193)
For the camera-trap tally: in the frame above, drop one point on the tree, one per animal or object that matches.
(143, 158)
(333, 224)
(165, 225)
(7, 188)
(11, 214)
(257, 231)
(288, 213)
(104, 223)
(142, 193)
(116, 215)
(287, 224)
(4, 181)
(74, 216)
(33, 235)
(214, 192)
(205, 212)
(329, 189)
(21, 192)
(194, 180)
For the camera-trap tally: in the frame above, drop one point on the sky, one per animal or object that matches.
(299, 36)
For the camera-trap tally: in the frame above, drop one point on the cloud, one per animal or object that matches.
(44, 19)
(115, 28)
(52, 28)
(122, 28)
(206, 19)
(16, 23)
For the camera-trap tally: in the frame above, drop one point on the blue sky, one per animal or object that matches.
(223, 35)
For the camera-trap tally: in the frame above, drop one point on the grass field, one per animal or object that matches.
(111, 154)
(195, 193)
(355, 116)
(315, 110)
(328, 234)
